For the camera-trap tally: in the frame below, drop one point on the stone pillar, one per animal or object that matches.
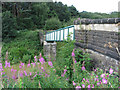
(50, 50)
(53, 51)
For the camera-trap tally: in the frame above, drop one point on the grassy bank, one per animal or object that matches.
(24, 47)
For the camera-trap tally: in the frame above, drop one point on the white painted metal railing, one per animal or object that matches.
(61, 34)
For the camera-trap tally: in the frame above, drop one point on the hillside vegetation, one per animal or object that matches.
(23, 48)
(51, 15)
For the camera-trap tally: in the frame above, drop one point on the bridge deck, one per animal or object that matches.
(61, 34)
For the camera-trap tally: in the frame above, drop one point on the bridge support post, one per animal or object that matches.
(50, 50)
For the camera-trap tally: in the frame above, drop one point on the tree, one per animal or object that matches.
(73, 11)
(53, 24)
(9, 25)
(39, 12)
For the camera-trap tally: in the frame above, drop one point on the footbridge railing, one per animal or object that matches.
(61, 34)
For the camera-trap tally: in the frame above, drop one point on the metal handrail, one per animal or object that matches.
(55, 33)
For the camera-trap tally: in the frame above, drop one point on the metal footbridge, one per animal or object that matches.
(61, 34)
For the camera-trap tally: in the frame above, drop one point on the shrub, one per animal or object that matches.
(53, 24)
(26, 43)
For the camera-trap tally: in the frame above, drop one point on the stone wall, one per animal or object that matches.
(49, 50)
(100, 38)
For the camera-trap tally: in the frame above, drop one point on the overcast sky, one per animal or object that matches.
(103, 6)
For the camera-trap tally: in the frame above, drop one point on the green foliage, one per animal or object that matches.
(25, 23)
(39, 14)
(53, 24)
(68, 23)
(27, 15)
(26, 58)
(9, 25)
(94, 77)
(53, 81)
(73, 11)
(97, 15)
(80, 57)
(64, 57)
(24, 47)
(59, 9)
(44, 76)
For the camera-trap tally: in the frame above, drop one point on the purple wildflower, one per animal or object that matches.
(46, 75)
(42, 68)
(104, 81)
(97, 79)
(40, 74)
(15, 70)
(93, 86)
(95, 70)
(67, 79)
(21, 74)
(0, 65)
(7, 64)
(78, 87)
(102, 75)
(42, 60)
(35, 58)
(78, 18)
(50, 63)
(62, 75)
(25, 73)
(74, 83)
(73, 70)
(22, 64)
(98, 83)
(83, 85)
(30, 73)
(12, 69)
(75, 61)
(73, 54)
(83, 68)
(28, 65)
(87, 80)
(83, 78)
(65, 71)
(88, 86)
(33, 64)
(111, 71)
(13, 77)
(34, 75)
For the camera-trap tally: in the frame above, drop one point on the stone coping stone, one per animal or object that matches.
(97, 21)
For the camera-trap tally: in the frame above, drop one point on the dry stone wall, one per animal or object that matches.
(100, 37)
